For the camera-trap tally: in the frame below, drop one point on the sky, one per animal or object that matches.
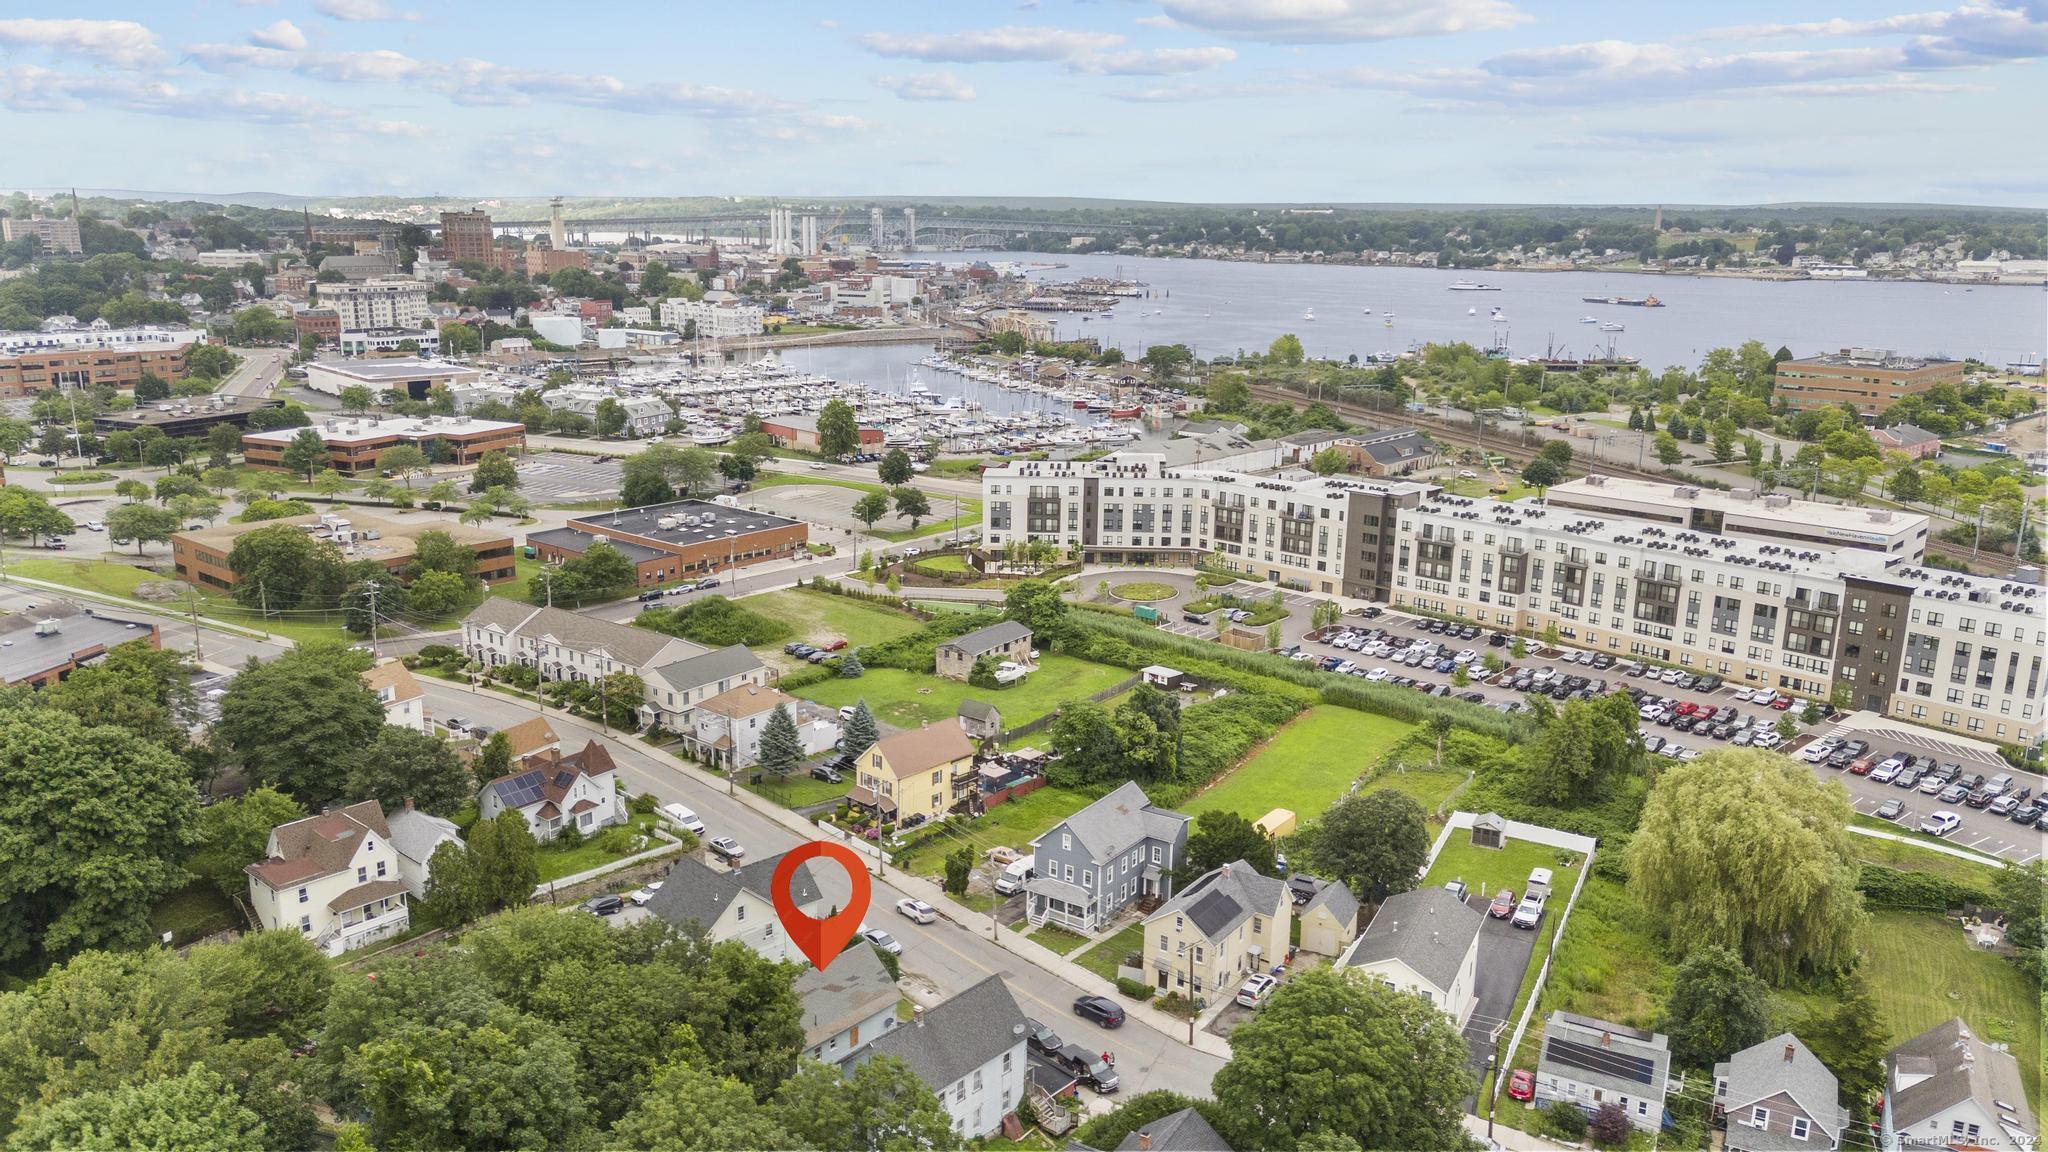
(1302, 101)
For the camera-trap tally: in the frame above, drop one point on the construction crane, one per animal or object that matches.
(837, 219)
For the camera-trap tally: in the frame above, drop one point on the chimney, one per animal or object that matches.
(1144, 1142)
(1789, 1050)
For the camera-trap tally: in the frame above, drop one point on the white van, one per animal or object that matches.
(1539, 880)
(1015, 875)
(682, 817)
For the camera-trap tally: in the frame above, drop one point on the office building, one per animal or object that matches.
(322, 324)
(410, 376)
(1868, 379)
(355, 446)
(55, 235)
(678, 540)
(48, 641)
(231, 259)
(190, 416)
(201, 555)
(96, 356)
(466, 236)
(377, 303)
(390, 342)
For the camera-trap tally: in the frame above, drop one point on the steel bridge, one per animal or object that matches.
(942, 231)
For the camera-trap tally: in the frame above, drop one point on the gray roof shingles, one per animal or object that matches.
(990, 638)
(854, 987)
(1989, 1077)
(1761, 1070)
(1119, 820)
(695, 891)
(956, 1036)
(709, 667)
(1428, 929)
(1220, 900)
(1182, 1131)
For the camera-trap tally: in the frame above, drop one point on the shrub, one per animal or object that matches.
(1917, 891)
(1135, 989)
(569, 837)
(1609, 1127)
(1564, 1121)
(1175, 1004)
(913, 652)
(643, 804)
(437, 653)
(715, 622)
(617, 839)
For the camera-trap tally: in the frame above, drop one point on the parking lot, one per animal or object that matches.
(566, 478)
(1979, 829)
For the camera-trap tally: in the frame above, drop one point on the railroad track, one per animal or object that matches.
(1522, 444)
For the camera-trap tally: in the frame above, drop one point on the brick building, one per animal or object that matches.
(202, 556)
(801, 433)
(679, 540)
(323, 324)
(1868, 379)
(355, 446)
(466, 236)
(56, 235)
(32, 362)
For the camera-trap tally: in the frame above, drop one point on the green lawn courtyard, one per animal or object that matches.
(1922, 970)
(820, 616)
(797, 790)
(910, 699)
(557, 861)
(1013, 825)
(1104, 957)
(1306, 767)
(1058, 939)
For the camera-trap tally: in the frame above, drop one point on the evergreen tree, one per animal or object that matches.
(781, 749)
(850, 666)
(859, 733)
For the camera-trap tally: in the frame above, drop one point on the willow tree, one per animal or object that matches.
(1749, 851)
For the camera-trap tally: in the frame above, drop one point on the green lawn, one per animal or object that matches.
(1144, 591)
(1922, 970)
(1057, 938)
(112, 578)
(1610, 965)
(1306, 767)
(819, 616)
(1104, 957)
(950, 562)
(910, 699)
(1910, 857)
(557, 862)
(1488, 869)
(798, 791)
(192, 912)
(1013, 825)
(1429, 788)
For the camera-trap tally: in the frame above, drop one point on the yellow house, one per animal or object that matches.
(1225, 926)
(1329, 921)
(914, 773)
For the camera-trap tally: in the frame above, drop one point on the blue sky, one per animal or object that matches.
(1190, 100)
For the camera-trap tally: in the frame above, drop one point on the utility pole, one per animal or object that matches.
(192, 601)
(375, 587)
(1194, 1011)
(263, 602)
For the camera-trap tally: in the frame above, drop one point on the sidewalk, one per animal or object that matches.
(1511, 1139)
(1931, 846)
(1029, 950)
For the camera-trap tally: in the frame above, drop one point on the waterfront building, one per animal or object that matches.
(390, 341)
(1746, 512)
(1868, 379)
(409, 375)
(714, 319)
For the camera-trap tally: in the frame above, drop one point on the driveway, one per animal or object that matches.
(1503, 960)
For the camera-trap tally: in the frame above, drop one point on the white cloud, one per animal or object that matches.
(1972, 33)
(929, 86)
(358, 11)
(1331, 21)
(1008, 43)
(1192, 93)
(1154, 62)
(282, 35)
(120, 43)
(33, 89)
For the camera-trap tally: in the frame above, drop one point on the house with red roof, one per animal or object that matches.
(556, 791)
(334, 878)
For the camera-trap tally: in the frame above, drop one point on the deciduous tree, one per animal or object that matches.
(912, 505)
(1221, 838)
(882, 1105)
(690, 1109)
(1717, 1007)
(1330, 1052)
(142, 523)
(306, 453)
(894, 467)
(495, 470)
(1749, 850)
(233, 833)
(301, 721)
(190, 1108)
(870, 508)
(1376, 843)
(838, 429)
(404, 765)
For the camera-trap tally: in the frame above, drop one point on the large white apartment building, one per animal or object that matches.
(715, 320)
(1761, 590)
(369, 304)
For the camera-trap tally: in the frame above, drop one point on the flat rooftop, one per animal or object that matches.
(25, 655)
(195, 408)
(1873, 358)
(401, 427)
(1658, 500)
(396, 539)
(395, 368)
(647, 522)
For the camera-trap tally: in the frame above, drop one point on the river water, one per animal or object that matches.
(1219, 307)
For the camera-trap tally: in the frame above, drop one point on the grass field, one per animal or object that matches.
(192, 912)
(969, 516)
(1431, 789)
(909, 699)
(1143, 591)
(111, 578)
(950, 562)
(798, 791)
(1013, 825)
(1913, 858)
(1306, 767)
(1922, 970)
(818, 616)
(1104, 957)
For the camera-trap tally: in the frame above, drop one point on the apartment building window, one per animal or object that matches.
(302, 895)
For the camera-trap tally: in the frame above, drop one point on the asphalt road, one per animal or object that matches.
(259, 372)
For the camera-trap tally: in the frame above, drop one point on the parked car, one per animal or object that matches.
(1890, 809)
(651, 594)
(1503, 905)
(1522, 1085)
(727, 848)
(1255, 989)
(1100, 1009)
(1908, 777)
(917, 910)
(682, 817)
(1941, 823)
(882, 940)
(1529, 913)
(1088, 1066)
(1041, 1038)
(640, 896)
(605, 905)
(2026, 813)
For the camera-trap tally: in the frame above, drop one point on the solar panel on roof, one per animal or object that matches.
(1605, 1061)
(521, 790)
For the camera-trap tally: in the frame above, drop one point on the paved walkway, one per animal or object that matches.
(1931, 846)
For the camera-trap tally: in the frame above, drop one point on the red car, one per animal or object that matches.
(1687, 708)
(1522, 1085)
(1862, 765)
(833, 645)
(1503, 905)
(1782, 703)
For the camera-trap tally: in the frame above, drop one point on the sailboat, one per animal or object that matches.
(1471, 311)
(1308, 314)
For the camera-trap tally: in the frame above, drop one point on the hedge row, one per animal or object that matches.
(915, 651)
(1917, 891)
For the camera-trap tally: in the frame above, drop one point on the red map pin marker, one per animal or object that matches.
(820, 940)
